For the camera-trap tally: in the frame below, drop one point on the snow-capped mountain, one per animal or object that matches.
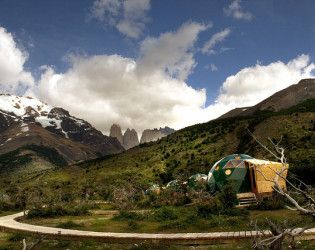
(28, 116)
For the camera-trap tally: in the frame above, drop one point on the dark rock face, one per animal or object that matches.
(130, 139)
(6, 120)
(149, 135)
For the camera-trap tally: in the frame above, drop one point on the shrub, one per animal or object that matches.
(5, 206)
(268, 205)
(228, 196)
(164, 214)
(69, 224)
(58, 210)
(16, 237)
(133, 225)
(127, 215)
(213, 207)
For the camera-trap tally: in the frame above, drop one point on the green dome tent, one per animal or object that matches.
(232, 167)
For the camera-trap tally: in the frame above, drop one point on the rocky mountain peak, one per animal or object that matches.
(115, 131)
(130, 139)
(155, 134)
(16, 111)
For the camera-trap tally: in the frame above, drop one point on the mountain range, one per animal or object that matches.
(25, 121)
(130, 138)
(30, 128)
(286, 98)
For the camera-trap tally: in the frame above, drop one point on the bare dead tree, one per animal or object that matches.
(281, 231)
(41, 238)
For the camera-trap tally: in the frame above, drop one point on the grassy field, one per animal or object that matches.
(183, 220)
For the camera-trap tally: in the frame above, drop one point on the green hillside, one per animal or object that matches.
(192, 150)
(28, 159)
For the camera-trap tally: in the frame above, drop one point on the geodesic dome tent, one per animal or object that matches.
(231, 167)
(246, 174)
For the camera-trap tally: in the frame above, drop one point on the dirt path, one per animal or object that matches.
(9, 223)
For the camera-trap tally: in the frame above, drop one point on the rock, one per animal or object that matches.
(149, 135)
(115, 131)
(130, 139)
(18, 111)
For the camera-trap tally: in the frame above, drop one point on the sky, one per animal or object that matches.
(146, 64)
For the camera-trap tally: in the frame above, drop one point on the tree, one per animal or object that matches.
(301, 189)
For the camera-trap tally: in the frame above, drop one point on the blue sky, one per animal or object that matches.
(151, 63)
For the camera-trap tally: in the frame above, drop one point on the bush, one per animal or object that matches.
(213, 207)
(69, 224)
(228, 196)
(235, 212)
(127, 215)
(58, 210)
(16, 237)
(268, 205)
(164, 214)
(133, 225)
(5, 206)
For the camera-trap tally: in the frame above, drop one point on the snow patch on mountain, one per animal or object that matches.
(25, 107)
(17, 105)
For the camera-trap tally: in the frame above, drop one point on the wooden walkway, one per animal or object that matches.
(9, 223)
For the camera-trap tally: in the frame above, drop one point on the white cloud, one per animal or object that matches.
(146, 93)
(172, 51)
(13, 77)
(213, 67)
(235, 10)
(217, 37)
(254, 84)
(109, 89)
(128, 16)
(149, 92)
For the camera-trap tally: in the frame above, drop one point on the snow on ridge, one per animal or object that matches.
(78, 121)
(18, 104)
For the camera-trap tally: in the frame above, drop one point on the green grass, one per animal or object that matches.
(184, 221)
(15, 160)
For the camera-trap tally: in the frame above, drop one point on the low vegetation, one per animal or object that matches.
(66, 196)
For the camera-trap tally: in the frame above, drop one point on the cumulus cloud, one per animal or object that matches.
(254, 84)
(217, 37)
(172, 51)
(107, 89)
(13, 77)
(128, 16)
(235, 10)
(150, 91)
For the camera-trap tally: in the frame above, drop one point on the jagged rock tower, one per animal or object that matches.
(130, 139)
(115, 131)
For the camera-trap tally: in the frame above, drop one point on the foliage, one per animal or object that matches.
(60, 209)
(126, 215)
(50, 154)
(164, 214)
(267, 205)
(228, 196)
(212, 207)
(69, 224)
(5, 206)
(14, 159)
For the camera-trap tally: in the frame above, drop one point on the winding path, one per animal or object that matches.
(9, 223)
